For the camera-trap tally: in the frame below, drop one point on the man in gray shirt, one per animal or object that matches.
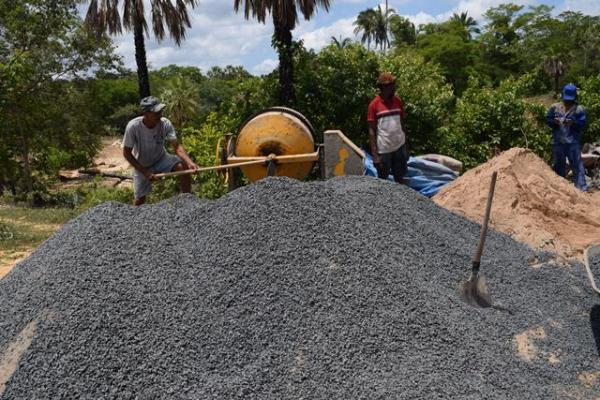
(144, 149)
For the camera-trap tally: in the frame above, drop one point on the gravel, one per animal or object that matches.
(286, 290)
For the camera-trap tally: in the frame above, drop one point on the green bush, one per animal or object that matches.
(201, 144)
(589, 97)
(429, 99)
(334, 88)
(98, 194)
(487, 120)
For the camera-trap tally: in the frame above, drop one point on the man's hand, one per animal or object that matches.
(193, 166)
(376, 159)
(557, 121)
(568, 122)
(149, 175)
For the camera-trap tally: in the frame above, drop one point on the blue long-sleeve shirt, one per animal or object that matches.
(564, 133)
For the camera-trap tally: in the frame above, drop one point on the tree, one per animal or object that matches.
(43, 50)
(365, 23)
(402, 31)
(192, 74)
(104, 16)
(453, 53)
(285, 17)
(501, 53)
(341, 43)
(373, 23)
(553, 66)
(465, 22)
(180, 97)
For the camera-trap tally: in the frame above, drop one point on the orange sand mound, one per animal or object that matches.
(531, 203)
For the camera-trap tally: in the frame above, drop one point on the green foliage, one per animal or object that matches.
(97, 194)
(180, 97)
(113, 99)
(192, 74)
(589, 97)
(427, 96)
(402, 31)
(201, 144)
(332, 97)
(80, 198)
(39, 109)
(487, 120)
(453, 52)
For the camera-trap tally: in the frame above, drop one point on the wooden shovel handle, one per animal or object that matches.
(484, 227)
(234, 162)
(204, 169)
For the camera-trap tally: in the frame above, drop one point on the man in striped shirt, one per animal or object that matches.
(386, 134)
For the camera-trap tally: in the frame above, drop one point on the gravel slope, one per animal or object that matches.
(344, 289)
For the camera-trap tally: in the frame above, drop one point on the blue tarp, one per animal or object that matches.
(424, 176)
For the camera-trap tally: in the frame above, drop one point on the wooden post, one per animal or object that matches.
(321, 149)
(232, 172)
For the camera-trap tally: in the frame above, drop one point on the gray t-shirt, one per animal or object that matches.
(148, 144)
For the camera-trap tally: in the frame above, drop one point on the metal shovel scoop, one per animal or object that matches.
(589, 255)
(474, 290)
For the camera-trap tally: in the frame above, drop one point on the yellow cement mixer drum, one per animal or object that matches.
(280, 131)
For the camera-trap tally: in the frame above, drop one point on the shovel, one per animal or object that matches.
(590, 254)
(474, 290)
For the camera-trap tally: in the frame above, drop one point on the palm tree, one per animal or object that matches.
(553, 66)
(382, 36)
(373, 23)
(341, 43)
(467, 23)
(285, 17)
(180, 96)
(366, 23)
(103, 16)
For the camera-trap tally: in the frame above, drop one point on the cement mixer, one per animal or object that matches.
(279, 141)
(282, 138)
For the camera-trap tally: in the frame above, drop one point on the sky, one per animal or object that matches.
(221, 37)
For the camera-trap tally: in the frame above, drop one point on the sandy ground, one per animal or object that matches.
(110, 158)
(531, 203)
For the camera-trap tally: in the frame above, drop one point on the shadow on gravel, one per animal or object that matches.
(595, 323)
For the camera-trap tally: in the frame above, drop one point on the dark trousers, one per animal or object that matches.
(396, 162)
(570, 151)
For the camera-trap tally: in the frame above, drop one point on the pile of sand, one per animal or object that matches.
(531, 203)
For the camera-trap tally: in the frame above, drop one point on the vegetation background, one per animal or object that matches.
(471, 90)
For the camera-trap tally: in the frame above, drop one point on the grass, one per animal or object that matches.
(22, 229)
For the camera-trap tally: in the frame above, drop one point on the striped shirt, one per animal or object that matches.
(388, 115)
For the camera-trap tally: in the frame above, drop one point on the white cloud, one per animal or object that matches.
(589, 7)
(474, 8)
(264, 67)
(218, 36)
(424, 18)
(320, 37)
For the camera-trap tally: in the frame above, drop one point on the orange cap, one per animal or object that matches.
(385, 78)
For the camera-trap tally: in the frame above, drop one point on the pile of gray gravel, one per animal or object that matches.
(344, 289)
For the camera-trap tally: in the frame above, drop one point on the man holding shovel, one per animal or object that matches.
(144, 149)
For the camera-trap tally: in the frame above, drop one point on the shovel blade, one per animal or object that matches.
(475, 291)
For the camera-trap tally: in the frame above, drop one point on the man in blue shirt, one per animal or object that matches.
(567, 120)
